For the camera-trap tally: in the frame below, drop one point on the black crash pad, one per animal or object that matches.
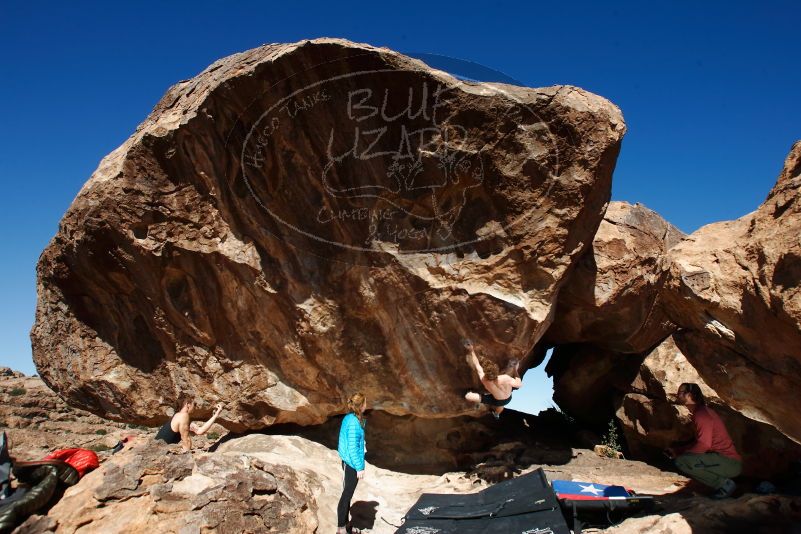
(524, 505)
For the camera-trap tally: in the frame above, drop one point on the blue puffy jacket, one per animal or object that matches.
(351, 442)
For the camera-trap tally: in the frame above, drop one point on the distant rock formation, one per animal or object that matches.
(8, 372)
(301, 221)
(37, 422)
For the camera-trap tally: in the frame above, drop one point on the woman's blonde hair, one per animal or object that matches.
(355, 403)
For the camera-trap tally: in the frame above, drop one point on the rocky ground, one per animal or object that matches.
(38, 422)
(279, 483)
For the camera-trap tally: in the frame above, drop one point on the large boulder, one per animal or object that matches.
(301, 221)
(731, 291)
(735, 289)
(612, 299)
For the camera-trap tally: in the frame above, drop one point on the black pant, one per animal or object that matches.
(348, 487)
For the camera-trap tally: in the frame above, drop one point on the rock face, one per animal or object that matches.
(646, 408)
(610, 312)
(735, 289)
(588, 381)
(301, 221)
(630, 291)
(612, 300)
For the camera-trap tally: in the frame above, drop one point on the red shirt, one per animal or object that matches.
(711, 435)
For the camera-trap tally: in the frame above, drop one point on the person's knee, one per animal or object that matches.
(472, 397)
(736, 471)
(682, 463)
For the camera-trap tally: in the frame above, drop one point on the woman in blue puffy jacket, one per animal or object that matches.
(351, 451)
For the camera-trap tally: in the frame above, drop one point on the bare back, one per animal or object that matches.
(180, 424)
(178, 420)
(501, 387)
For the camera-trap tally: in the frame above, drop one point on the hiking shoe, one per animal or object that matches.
(726, 490)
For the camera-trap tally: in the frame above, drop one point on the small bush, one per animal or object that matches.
(98, 447)
(213, 436)
(101, 432)
(17, 392)
(611, 440)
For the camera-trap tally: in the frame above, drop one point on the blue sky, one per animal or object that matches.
(709, 91)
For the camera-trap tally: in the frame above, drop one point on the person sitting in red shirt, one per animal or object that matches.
(712, 459)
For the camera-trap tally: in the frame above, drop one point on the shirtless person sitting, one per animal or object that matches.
(499, 385)
(177, 429)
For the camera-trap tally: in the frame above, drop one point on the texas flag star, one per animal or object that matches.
(591, 489)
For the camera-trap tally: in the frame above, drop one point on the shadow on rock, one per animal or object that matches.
(495, 449)
(363, 514)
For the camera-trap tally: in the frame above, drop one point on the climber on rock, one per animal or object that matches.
(178, 428)
(499, 384)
